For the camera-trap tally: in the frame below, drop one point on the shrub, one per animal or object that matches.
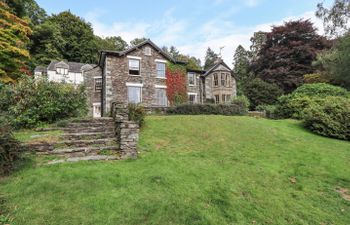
(10, 149)
(136, 113)
(294, 104)
(238, 108)
(315, 78)
(320, 90)
(30, 103)
(270, 111)
(329, 118)
(260, 92)
(241, 100)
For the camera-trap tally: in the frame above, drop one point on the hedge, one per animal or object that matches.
(209, 109)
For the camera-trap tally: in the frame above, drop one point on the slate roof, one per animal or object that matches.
(148, 41)
(218, 63)
(74, 67)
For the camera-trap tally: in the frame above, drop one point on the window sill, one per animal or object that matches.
(133, 75)
(191, 85)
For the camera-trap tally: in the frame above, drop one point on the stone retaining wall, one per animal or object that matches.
(127, 131)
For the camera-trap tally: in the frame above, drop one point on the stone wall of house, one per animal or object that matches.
(210, 90)
(127, 131)
(195, 88)
(118, 70)
(93, 96)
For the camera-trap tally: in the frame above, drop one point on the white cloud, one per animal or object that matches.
(215, 33)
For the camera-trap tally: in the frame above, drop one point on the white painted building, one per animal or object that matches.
(65, 72)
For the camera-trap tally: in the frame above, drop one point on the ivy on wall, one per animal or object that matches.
(176, 84)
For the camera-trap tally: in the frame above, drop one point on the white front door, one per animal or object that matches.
(96, 110)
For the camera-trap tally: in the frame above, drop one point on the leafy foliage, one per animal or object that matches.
(241, 100)
(336, 62)
(111, 43)
(235, 108)
(80, 45)
(210, 58)
(136, 113)
(27, 9)
(14, 34)
(30, 103)
(260, 92)
(241, 64)
(316, 78)
(191, 62)
(329, 118)
(176, 84)
(10, 149)
(288, 53)
(137, 41)
(336, 18)
(294, 104)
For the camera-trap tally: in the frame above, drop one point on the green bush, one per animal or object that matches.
(31, 103)
(270, 111)
(330, 117)
(10, 148)
(294, 104)
(260, 92)
(237, 108)
(136, 113)
(241, 100)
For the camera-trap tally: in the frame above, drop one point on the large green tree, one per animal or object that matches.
(288, 53)
(14, 56)
(47, 43)
(27, 9)
(111, 43)
(80, 44)
(137, 41)
(210, 58)
(191, 62)
(336, 18)
(241, 63)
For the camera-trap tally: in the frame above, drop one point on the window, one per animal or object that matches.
(98, 84)
(192, 98)
(161, 99)
(160, 70)
(61, 71)
(97, 109)
(134, 67)
(191, 79)
(228, 98)
(223, 98)
(217, 99)
(223, 79)
(148, 51)
(134, 94)
(228, 79)
(216, 80)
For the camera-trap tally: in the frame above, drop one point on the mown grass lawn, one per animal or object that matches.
(194, 170)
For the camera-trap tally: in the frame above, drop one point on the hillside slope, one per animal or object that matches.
(195, 170)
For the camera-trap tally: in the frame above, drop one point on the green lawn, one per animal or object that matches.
(194, 170)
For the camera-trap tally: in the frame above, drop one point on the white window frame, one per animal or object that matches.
(135, 85)
(93, 108)
(61, 71)
(194, 79)
(161, 87)
(163, 63)
(195, 97)
(95, 78)
(134, 58)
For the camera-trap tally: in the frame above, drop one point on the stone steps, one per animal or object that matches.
(82, 139)
(85, 158)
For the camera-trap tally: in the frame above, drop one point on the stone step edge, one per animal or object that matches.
(81, 149)
(84, 158)
(86, 134)
(85, 141)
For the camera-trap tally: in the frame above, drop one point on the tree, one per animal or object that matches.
(191, 62)
(14, 34)
(288, 53)
(27, 9)
(80, 45)
(111, 43)
(335, 63)
(241, 64)
(335, 19)
(260, 92)
(137, 41)
(47, 43)
(210, 58)
(258, 40)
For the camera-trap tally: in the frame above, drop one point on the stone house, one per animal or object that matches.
(138, 75)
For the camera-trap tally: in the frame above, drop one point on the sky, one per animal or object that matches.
(190, 25)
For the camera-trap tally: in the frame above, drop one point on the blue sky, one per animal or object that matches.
(190, 25)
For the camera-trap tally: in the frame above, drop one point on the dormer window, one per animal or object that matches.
(148, 51)
(62, 71)
(134, 67)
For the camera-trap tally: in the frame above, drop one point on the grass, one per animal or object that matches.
(194, 170)
(31, 136)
